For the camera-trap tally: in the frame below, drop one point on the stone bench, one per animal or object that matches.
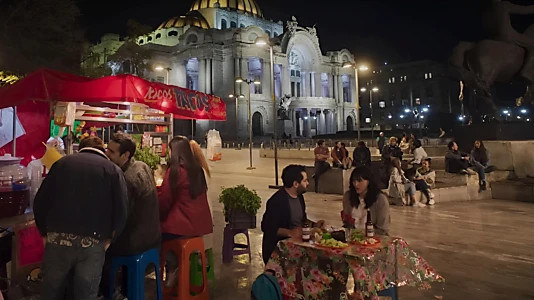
(470, 180)
(516, 190)
(334, 181)
(445, 193)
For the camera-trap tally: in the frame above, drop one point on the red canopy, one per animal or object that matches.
(49, 85)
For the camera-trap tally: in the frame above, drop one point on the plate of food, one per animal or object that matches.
(331, 243)
(359, 238)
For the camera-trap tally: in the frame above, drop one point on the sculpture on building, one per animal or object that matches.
(506, 58)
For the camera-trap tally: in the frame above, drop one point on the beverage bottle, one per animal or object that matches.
(306, 232)
(369, 227)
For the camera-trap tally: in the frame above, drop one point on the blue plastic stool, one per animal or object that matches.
(391, 292)
(136, 265)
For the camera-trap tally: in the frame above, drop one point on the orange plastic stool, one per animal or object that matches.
(183, 248)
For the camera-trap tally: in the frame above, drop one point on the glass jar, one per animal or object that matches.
(14, 187)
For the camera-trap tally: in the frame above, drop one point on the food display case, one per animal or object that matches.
(151, 128)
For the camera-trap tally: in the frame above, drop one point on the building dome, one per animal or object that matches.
(192, 18)
(247, 6)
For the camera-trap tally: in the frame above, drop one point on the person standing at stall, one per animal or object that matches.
(79, 208)
(142, 230)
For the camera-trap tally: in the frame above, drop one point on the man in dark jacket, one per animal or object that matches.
(286, 211)
(79, 208)
(142, 231)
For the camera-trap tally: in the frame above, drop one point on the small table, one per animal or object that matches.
(308, 271)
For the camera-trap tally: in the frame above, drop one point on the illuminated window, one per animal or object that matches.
(382, 104)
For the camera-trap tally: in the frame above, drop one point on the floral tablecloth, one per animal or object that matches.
(306, 271)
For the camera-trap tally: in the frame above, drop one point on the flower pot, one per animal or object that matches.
(240, 219)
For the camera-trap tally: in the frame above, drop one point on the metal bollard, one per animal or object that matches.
(233, 145)
(350, 144)
(261, 145)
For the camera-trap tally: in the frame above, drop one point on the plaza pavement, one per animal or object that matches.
(484, 249)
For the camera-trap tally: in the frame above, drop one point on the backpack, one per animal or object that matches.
(266, 287)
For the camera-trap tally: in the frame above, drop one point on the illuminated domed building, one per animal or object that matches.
(212, 44)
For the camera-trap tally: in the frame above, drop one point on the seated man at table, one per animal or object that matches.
(286, 211)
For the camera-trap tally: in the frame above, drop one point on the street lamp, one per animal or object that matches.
(356, 68)
(249, 82)
(371, 91)
(264, 41)
(237, 97)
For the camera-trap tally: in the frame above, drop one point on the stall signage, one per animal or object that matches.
(156, 95)
(184, 99)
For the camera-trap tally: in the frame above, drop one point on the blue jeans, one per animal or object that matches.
(480, 168)
(81, 267)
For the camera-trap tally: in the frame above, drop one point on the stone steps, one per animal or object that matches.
(516, 190)
(471, 180)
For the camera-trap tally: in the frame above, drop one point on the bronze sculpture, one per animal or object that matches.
(507, 57)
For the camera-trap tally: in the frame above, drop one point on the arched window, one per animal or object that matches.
(158, 35)
(149, 39)
(173, 33)
(191, 39)
(233, 24)
(268, 33)
(224, 24)
(275, 34)
(141, 41)
(241, 25)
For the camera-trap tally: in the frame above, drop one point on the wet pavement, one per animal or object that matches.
(484, 249)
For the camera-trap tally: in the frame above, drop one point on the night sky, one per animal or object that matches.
(374, 30)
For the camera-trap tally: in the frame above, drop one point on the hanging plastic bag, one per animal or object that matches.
(214, 145)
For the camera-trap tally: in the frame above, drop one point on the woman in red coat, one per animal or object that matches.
(183, 202)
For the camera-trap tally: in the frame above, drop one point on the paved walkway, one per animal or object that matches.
(484, 249)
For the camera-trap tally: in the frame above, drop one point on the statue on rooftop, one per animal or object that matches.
(507, 57)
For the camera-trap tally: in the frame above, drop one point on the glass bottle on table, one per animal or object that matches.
(306, 232)
(369, 227)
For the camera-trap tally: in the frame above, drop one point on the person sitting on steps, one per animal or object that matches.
(480, 159)
(321, 165)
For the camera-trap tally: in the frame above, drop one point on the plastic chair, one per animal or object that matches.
(183, 248)
(196, 271)
(229, 245)
(136, 266)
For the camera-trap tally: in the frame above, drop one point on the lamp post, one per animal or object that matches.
(249, 82)
(264, 41)
(237, 97)
(356, 68)
(371, 91)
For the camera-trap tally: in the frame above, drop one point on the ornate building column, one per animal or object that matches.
(202, 75)
(286, 81)
(266, 79)
(321, 128)
(307, 123)
(209, 64)
(244, 75)
(353, 92)
(330, 86)
(318, 84)
(237, 73)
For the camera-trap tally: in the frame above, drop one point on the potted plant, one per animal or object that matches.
(240, 206)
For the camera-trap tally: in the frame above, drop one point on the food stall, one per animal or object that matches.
(144, 108)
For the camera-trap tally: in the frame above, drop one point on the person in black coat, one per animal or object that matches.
(361, 155)
(286, 211)
(81, 206)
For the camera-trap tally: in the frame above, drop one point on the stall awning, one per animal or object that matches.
(49, 85)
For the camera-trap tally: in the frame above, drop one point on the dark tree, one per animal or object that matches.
(40, 33)
(131, 57)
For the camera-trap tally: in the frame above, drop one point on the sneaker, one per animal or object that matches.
(431, 202)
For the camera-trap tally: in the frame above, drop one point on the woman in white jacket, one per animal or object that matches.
(399, 185)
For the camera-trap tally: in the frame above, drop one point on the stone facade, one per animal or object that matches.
(208, 48)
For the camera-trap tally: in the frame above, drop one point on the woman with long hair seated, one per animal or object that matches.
(183, 202)
(399, 185)
(365, 194)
